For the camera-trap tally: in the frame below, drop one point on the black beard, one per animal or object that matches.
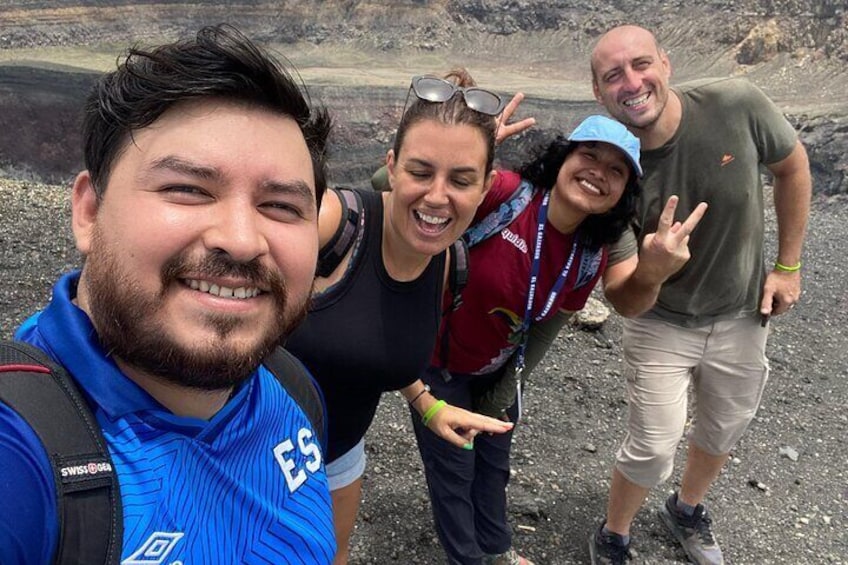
(128, 328)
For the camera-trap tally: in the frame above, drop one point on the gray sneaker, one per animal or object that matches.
(604, 551)
(510, 557)
(694, 532)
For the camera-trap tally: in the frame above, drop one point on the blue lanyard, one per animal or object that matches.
(534, 277)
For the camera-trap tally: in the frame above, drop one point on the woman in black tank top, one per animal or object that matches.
(375, 317)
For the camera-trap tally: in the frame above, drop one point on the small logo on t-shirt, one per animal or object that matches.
(726, 159)
(155, 550)
(514, 239)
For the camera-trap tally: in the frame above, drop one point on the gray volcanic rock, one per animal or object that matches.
(783, 46)
(810, 24)
(41, 106)
(826, 139)
(41, 121)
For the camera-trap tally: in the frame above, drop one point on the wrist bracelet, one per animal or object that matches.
(428, 415)
(420, 394)
(786, 268)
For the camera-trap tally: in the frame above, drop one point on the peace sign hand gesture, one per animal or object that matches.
(506, 130)
(664, 252)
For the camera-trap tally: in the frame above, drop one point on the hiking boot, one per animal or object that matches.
(604, 551)
(509, 557)
(694, 532)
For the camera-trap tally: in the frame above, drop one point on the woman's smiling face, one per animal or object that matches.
(592, 178)
(438, 180)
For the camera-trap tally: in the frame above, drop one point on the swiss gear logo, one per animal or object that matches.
(726, 159)
(155, 550)
(86, 469)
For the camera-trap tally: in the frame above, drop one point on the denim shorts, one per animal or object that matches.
(346, 469)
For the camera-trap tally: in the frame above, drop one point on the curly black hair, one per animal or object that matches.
(597, 229)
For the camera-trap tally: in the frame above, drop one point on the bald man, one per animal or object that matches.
(704, 141)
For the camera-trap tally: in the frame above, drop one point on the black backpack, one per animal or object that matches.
(88, 494)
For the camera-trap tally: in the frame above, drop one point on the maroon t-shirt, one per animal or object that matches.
(485, 330)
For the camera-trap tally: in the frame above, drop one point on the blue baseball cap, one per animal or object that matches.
(601, 128)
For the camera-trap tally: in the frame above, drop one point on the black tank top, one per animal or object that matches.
(368, 333)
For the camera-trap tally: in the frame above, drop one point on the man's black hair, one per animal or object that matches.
(219, 62)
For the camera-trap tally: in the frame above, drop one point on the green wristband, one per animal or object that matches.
(786, 268)
(431, 411)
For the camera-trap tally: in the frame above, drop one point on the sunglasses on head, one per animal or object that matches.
(435, 89)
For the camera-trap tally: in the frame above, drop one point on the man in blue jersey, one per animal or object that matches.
(197, 219)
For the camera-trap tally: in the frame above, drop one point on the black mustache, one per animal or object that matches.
(219, 264)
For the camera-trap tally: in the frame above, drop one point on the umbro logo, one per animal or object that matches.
(726, 159)
(155, 550)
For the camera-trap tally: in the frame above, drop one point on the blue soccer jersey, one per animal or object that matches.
(247, 486)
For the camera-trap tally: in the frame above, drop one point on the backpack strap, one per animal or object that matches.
(335, 250)
(88, 499)
(590, 262)
(501, 217)
(458, 271)
(457, 279)
(300, 385)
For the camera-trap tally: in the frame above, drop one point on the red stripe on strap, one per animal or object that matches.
(11, 368)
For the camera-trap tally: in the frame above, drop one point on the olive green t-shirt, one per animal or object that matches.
(727, 130)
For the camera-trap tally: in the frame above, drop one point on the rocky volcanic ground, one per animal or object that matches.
(769, 506)
(782, 499)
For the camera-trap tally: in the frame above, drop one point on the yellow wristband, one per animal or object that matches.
(787, 269)
(428, 415)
